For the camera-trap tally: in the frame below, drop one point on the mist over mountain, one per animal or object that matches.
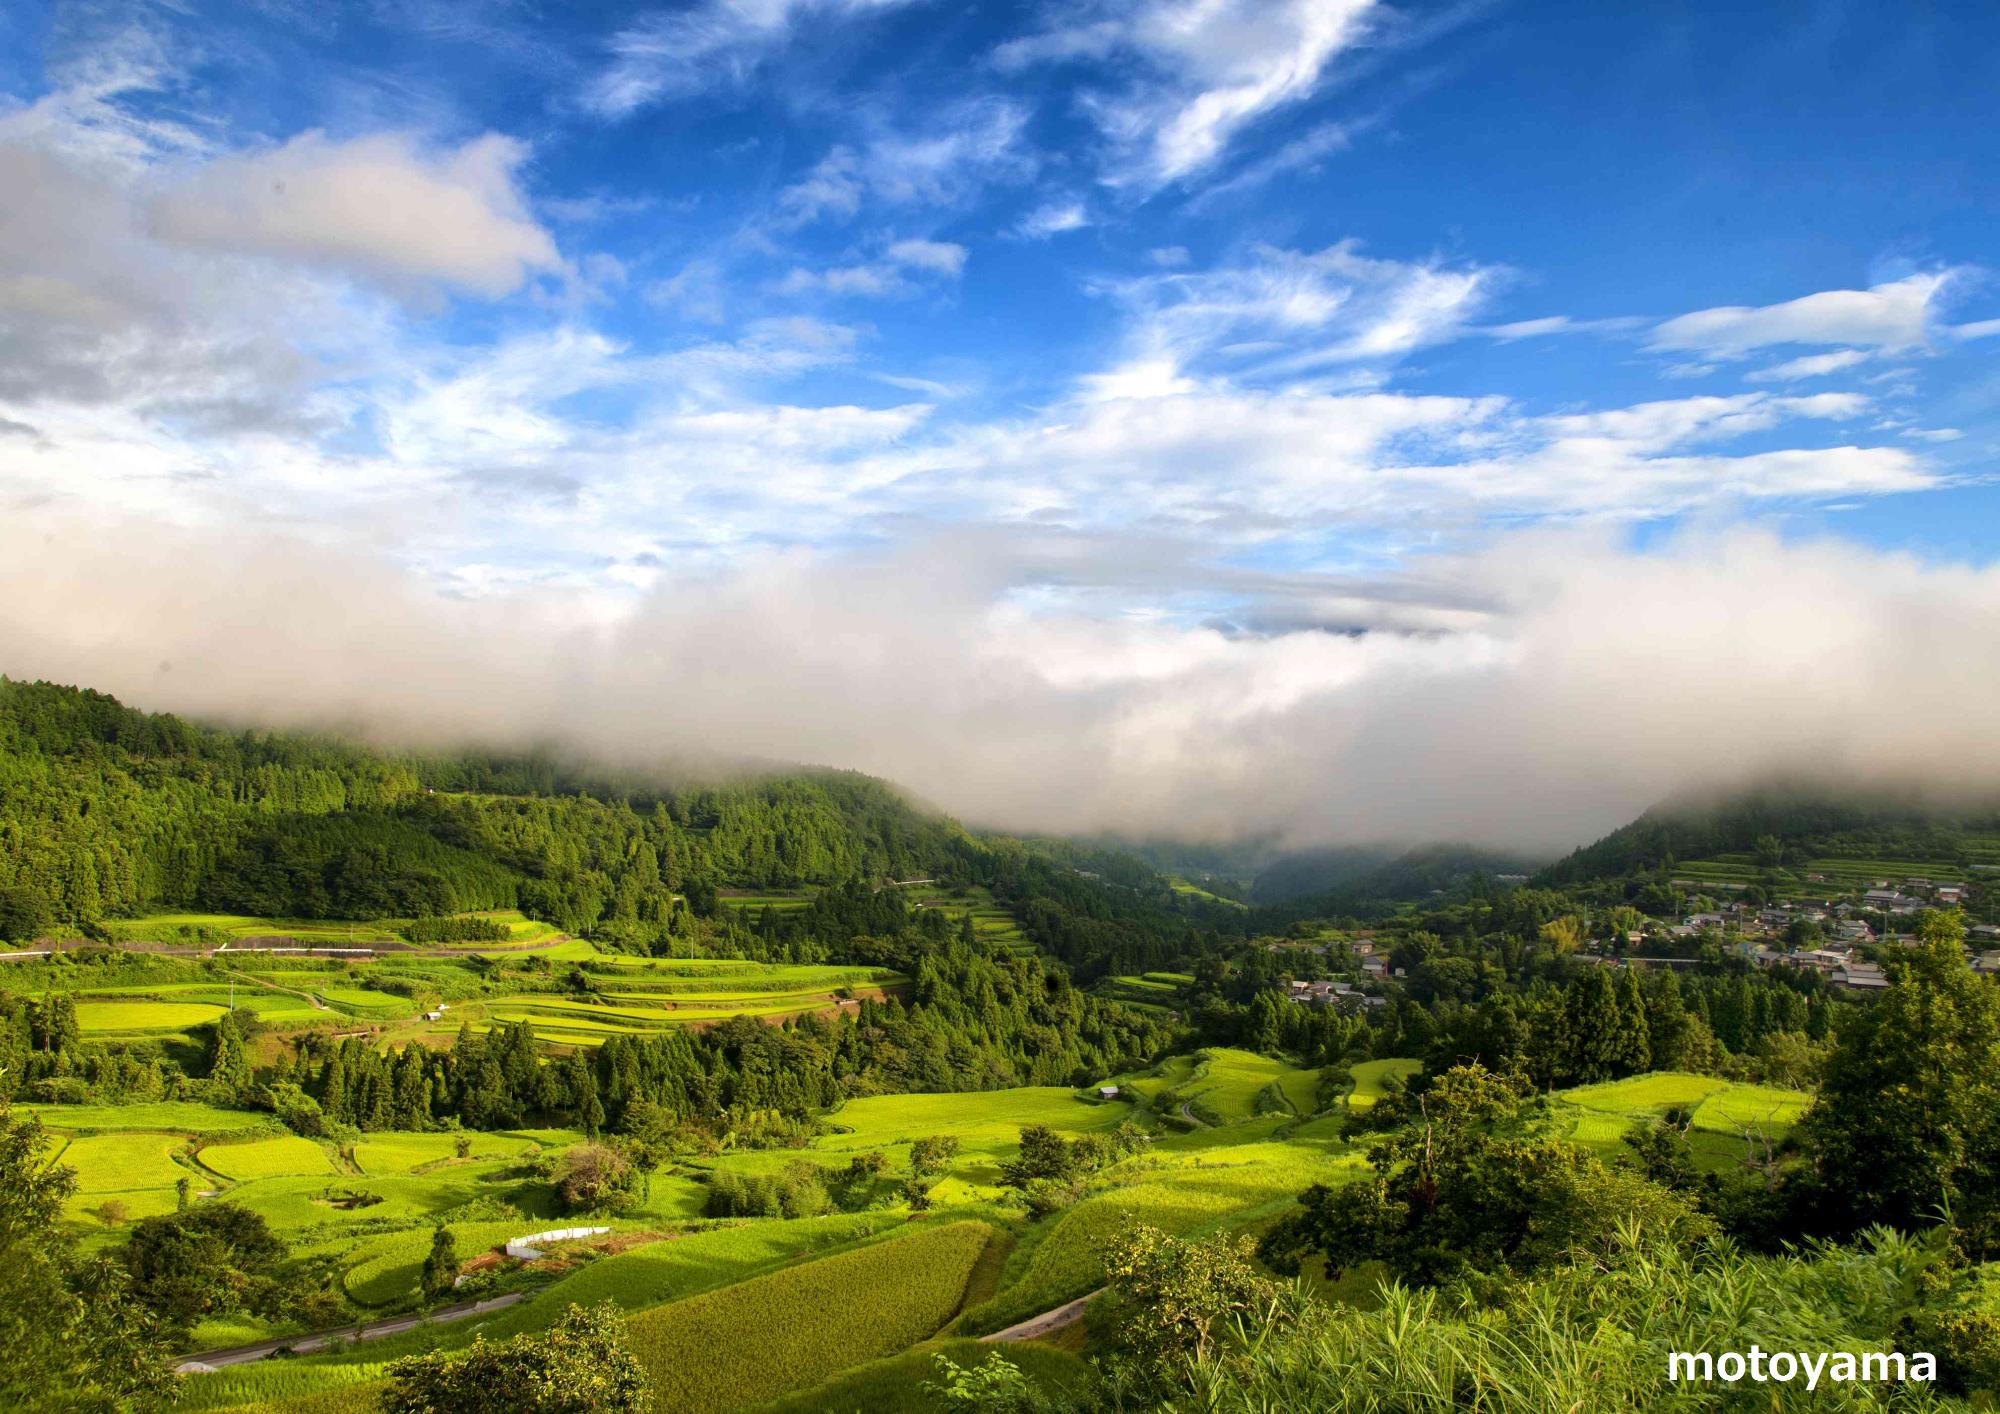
(1599, 679)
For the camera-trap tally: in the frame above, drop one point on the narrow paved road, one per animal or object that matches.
(305, 1344)
(1188, 1114)
(1049, 1322)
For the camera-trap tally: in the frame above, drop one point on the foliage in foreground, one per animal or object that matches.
(1593, 1336)
(581, 1366)
(75, 1341)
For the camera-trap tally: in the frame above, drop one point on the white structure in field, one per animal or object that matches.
(527, 1250)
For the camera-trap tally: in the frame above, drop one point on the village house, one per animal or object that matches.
(1862, 976)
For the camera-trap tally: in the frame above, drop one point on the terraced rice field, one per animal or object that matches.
(173, 928)
(1191, 890)
(116, 1163)
(1838, 874)
(1371, 1080)
(1151, 991)
(176, 1116)
(115, 1018)
(1223, 1189)
(1229, 1086)
(987, 1125)
(248, 996)
(1601, 1115)
(380, 1154)
(753, 901)
(286, 1157)
(991, 923)
(644, 995)
(749, 1343)
(520, 928)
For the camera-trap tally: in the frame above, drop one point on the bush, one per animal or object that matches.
(594, 1178)
(456, 930)
(581, 1366)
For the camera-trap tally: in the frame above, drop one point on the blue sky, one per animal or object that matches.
(1246, 322)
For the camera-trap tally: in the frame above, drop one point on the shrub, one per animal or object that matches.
(594, 1177)
(581, 1366)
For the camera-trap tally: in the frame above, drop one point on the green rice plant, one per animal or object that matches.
(267, 1158)
(752, 1342)
(397, 1153)
(1227, 1084)
(112, 1163)
(1646, 1094)
(1739, 1107)
(688, 1264)
(1183, 1194)
(96, 1018)
(178, 1116)
(1371, 1080)
(897, 1385)
(386, 1268)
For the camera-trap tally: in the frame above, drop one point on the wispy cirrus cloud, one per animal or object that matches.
(894, 272)
(671, 54)
(955, 155)
(1207, 69)
(1288, 311)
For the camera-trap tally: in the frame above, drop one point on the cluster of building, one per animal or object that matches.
(1844, 925)
(1341, 994)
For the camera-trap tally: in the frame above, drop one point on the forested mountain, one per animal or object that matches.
(107, 812)
(1366, 884)
(1800, 817)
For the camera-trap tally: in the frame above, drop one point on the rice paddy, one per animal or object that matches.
(777, 1308)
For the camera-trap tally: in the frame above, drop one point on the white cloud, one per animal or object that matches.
(1892, 316)
(958, 153)
(1213, 68)
(1809, 366)
(379, 206)
(1288, 311)
(1053, 219)
(1607, 677)
(672, 54)
(888, 276)
(938, 257)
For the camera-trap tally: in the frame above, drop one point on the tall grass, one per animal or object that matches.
(1590, 1338)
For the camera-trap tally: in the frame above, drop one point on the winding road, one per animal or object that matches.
(211, 1360)
(1049, 1322)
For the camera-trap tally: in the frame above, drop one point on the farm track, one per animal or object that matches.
(305, 1344)
(1048, 1323)
(307, 997)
